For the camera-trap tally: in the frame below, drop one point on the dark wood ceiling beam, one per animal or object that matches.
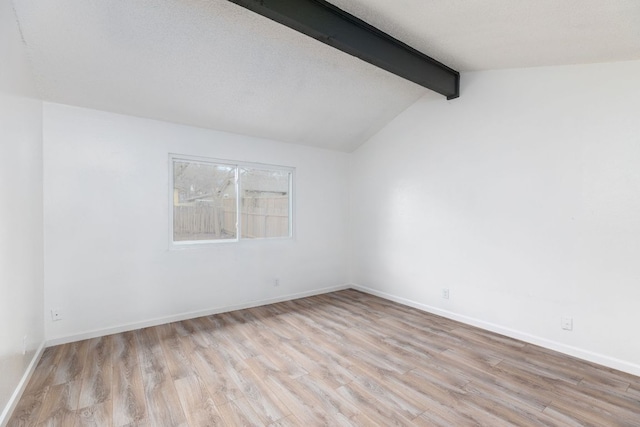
(337, 28)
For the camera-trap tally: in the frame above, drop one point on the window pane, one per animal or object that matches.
(204, 201)
(265, 203)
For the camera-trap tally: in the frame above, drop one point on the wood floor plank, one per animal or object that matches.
(420, 392)
(396, 340)
(344, 358)
(373, 352)
(45, 371)
(487, 339)
(239, 413)
(198, 336)
(507, 406)
(290, 421)
(96, 378)
(513, 390)
(476, 363)
(327, 367)
(160, 393)
(565, 419)
(327, 332)
(198, 405)
(379, 412)
(389, 396)
(244, 339)
(272, 319)
(301, 401)
(262, 399)
(425, 341)
(99, 415)
(129, 403)
(284, 362)
(439, 415)
(208, 365)
(70, 362)
(610, 398)
(60, 405)
(596, 406)
(634, 391)
(581, 368)
(28, 409)
(176, 353)
(326, 398)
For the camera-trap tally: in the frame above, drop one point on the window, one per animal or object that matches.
(217, 201)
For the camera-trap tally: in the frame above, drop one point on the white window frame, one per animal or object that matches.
(238, 183)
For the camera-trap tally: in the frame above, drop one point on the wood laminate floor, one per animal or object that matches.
(344, 358)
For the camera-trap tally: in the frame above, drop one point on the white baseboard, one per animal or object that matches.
(184, 316)
(601, 359)
(17, 394)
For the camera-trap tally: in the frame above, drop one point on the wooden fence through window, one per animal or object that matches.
(261, 217)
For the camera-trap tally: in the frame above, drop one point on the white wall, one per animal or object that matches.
(21, 283)
(522, 197)
(106, 204)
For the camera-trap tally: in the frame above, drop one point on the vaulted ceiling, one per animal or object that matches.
(214, 64)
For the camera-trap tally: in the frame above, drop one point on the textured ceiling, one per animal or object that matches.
(472, 35)
(213, 64)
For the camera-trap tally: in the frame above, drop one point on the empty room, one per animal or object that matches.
(300, 213)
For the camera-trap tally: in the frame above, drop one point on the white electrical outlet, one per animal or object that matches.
(567, 323)
(445, 293)
(56, 314)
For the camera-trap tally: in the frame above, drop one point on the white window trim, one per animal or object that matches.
(237, 165)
